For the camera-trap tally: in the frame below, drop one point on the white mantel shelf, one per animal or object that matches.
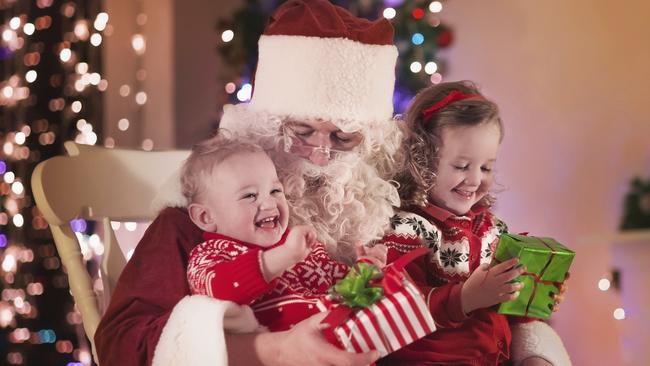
(632, 236)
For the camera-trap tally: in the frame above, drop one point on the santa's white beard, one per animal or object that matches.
(345, 201)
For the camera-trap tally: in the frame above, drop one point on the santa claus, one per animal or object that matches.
(322, 108)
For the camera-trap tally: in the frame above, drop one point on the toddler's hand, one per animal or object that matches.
(299, 242)
(376, 254)
(488, 286)
(296, 247)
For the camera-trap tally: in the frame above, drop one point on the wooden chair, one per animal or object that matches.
(102, 185)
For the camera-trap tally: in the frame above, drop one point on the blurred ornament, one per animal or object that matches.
(445, 37)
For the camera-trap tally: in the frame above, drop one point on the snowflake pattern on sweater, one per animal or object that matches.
(450, 248)
(231, 270)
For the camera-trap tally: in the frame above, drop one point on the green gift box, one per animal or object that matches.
(547, 263)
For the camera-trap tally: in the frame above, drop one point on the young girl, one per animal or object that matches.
(451, 150)
(250, 256)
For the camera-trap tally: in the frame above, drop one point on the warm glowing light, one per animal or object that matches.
(141, 19)
(76, 106)
(227, 35)
(115, 225)
(130, 226)
(100, 21)
(17, 187)
(147, 144)
(123, 124)
(80, 124)
(9, 263)
(81, 68)
(138, 43)
(20, 138)
(619, 314)
(245, 92)
(14, 23)
(95, 78)
(29, 29)
(430, 67)
(389, 13)
(604, 284)
(230, 88)
(125, 90)
(109, 142)
(103, 85)
(436, 78)
(415, 67)
(7, 92)
(30, 76)
(18, 220)
(8, 35)
(96, 39)
(65, 55)
(435, 7)
(9, 177)
(81, 30)
(141, 98)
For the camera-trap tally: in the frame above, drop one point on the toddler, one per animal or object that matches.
(249, 255)
(451, 150)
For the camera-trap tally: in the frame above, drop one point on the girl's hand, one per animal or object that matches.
(488, 286)
(377, 254)
(304, 344)
(560, 297)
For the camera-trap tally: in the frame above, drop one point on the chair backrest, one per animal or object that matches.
(98, 184)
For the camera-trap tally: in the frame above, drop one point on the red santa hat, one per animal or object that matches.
(318, 61)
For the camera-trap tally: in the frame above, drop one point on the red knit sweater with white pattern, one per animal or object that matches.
(458, 245)
(229, 269)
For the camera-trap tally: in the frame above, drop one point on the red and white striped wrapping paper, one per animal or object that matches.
(389, 324)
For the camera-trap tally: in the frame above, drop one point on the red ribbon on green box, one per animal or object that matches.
(547, 263)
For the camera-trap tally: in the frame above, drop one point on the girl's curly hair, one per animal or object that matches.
(422, 138)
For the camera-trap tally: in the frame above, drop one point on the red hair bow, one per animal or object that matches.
(453, 96)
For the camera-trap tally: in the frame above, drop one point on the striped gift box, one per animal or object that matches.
(391, 323)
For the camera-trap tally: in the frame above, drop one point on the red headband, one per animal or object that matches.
(453, 96)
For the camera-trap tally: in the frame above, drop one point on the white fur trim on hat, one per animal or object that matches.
(194, 333)
(335, 79)
(537, 339)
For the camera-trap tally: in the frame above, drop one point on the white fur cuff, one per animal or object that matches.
(194, 333)
(537, 339)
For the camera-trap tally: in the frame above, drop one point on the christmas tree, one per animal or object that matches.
(50, 92)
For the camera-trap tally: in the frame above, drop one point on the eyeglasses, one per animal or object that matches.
(308, 142)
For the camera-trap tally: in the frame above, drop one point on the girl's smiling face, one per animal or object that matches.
(466, 166)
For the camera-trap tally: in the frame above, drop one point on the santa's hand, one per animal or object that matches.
(376, 254)
(305, 344)
(488, 286)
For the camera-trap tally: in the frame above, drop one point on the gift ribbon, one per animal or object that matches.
(391, 283)
(538, 277)
(358, 289)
